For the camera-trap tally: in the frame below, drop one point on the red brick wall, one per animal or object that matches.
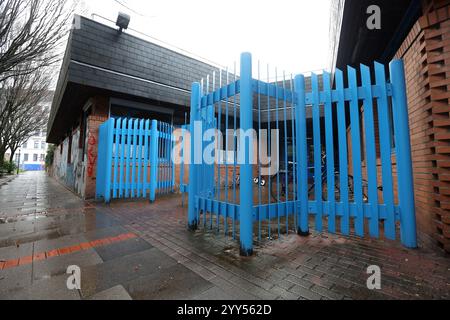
(412, 53)
(432, 135)
(426, 54)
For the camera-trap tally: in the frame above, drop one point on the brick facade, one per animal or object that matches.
(436, 26)
(426, 53)
(411, 52)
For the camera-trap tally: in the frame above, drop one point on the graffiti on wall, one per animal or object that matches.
(76, 174)
(61, 160)
(71, 170)
(71, 174)
(77, 161)
(91, 155)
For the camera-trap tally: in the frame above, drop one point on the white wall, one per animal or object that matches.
(28, 151)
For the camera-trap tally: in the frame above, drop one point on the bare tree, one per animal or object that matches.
(30, 31)
(32, 37)
(22, 109)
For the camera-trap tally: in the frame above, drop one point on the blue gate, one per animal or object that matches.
(128, 150)
(332, 157)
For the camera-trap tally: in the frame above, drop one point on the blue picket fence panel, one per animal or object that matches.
(128, 150)
(335, 146)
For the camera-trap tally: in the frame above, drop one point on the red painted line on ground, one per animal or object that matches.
(39, 257)
(51, 254)
(85, 246)
(25, 260)
(11, 264)
(65, 251)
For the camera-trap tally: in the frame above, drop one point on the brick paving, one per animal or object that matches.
(317, 267)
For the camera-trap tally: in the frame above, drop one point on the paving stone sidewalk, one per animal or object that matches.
(5, 179)
(137, 250)
(45, 228)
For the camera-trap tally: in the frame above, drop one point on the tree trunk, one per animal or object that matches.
(11, 159)
(2, 157)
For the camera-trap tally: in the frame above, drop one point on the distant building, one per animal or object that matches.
(32, 153)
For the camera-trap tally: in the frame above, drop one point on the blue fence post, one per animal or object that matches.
(404, 158)
(172, 157)
(100, 183)
(183, 159)
(209, 178)
(109, 154)
(154, 165)
(302, 157)
(246, 115)
(193, 174)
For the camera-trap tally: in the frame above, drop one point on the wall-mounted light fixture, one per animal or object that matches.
(123, 20)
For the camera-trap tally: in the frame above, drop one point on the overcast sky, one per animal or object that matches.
(290, 34)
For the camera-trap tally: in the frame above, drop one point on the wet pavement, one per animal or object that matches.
(44, 229)
(135, 250)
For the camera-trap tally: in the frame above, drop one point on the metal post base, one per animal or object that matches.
(246, 252)
(193, 227)
(302, 233)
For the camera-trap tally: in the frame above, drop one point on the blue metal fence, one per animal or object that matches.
(351, 187)
(128, 150)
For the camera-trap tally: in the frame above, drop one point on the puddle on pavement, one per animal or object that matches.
(29, 239)
(51, 225)
(24, 218)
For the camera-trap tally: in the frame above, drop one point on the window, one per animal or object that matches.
(83, 130)
(35, 157)
(43, 145)
(25, 157)
(133, 110)
(69, 151)
(36, 144)
(81, 138)
(44, 133)
(17, 158)
(25, 146)
(42, 159)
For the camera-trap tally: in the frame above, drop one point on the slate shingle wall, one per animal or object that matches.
(101, 46)
(134, 64)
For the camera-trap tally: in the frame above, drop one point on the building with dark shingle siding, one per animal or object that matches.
(106, 73)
